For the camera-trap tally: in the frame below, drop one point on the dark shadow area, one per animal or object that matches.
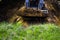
(34, 3)
(6, 5)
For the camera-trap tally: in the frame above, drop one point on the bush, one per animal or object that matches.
(34, 32)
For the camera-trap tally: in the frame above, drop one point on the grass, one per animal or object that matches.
(16, 31)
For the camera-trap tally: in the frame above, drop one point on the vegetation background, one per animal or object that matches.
(34, 32)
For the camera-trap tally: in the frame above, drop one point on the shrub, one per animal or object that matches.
(34, 32)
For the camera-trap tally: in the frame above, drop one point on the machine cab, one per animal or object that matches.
(39, 4)
(34, 3)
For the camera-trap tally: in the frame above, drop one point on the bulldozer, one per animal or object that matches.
(37, 10)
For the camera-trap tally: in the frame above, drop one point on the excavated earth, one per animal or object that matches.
(31, 12)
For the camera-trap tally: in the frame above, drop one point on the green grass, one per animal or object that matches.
(34, 32)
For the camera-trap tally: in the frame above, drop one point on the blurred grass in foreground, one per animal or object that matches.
(34, 32)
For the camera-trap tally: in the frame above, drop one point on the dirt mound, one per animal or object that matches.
(30, 12)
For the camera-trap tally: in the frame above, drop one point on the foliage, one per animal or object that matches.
(9, 31)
